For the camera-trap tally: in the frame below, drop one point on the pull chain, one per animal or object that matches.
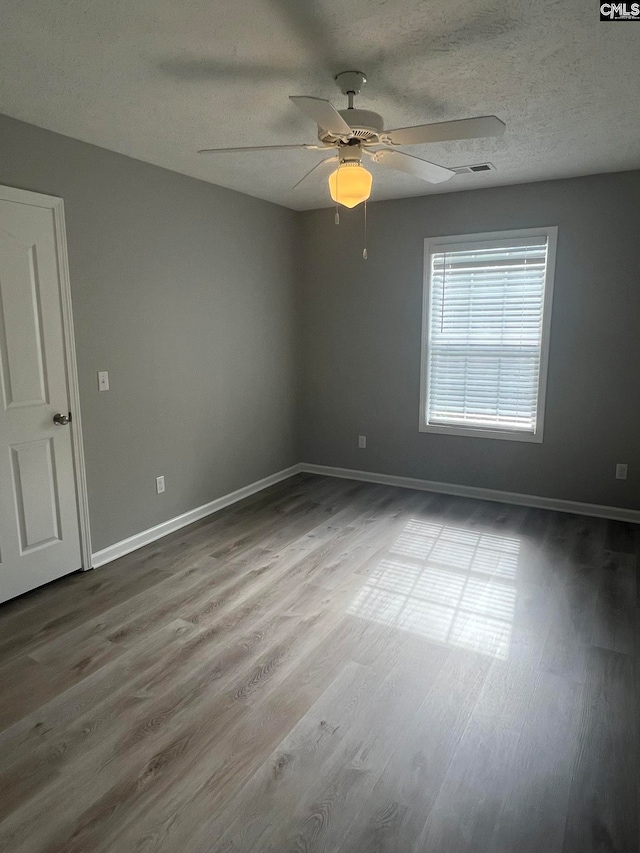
(364, 251)
(337, 216)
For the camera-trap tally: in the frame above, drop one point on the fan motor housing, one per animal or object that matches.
(366, 125)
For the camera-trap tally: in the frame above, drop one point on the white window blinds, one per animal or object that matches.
(485, 333)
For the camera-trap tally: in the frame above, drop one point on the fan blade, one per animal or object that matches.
(422, 169)
(445, 131)
(323, 163)
(261, 148)
(323, 113)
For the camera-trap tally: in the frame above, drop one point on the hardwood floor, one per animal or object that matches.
(332, 666)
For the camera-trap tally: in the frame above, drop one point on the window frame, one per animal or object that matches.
(435, 244)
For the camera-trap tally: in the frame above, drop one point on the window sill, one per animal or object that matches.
(480, 432)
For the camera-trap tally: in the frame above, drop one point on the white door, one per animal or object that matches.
(39, 525)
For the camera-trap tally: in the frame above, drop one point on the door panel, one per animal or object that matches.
(39, 529)
(35, 494)
(21, 333)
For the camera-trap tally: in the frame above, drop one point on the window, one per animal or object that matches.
(487, 310)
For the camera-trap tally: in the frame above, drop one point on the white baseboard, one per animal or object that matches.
(613, 512)
(119, 549)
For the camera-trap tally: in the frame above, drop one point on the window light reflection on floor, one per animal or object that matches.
(449, 584)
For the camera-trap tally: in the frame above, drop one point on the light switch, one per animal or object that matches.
(103, 380)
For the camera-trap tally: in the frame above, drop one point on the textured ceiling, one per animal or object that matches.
(157, 79)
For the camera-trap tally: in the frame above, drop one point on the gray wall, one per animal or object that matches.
(361, 326)
(186, 294)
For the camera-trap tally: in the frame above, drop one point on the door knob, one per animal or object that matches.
(61, 420)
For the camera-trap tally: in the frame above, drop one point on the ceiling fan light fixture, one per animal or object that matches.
(350, 184)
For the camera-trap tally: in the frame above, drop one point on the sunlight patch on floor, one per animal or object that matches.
(451, 585)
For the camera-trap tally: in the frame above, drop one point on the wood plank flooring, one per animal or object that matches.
(332, 666)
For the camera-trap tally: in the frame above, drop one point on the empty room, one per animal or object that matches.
(319, 427)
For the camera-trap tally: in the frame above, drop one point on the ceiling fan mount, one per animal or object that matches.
(350, 82)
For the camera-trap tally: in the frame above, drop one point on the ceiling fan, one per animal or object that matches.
(354, 133)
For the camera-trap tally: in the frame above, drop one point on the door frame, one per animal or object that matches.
(56, 205)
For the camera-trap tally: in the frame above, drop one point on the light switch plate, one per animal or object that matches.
(103, 380)
(362, 441)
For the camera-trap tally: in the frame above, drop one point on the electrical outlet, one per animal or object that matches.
(362, 441)
(160, 485)
(103, 380)
(621, 471)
